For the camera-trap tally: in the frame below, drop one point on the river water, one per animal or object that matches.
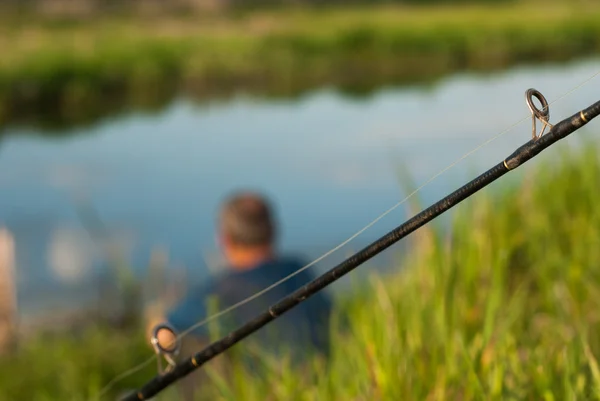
(329, 163)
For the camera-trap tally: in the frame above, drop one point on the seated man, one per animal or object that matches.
(246, 234)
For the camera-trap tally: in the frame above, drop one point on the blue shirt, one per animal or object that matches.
(301, 329)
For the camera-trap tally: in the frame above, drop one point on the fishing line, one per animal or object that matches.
(137, 368)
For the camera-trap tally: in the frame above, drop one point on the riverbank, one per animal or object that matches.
(505, 308)
(75, 72)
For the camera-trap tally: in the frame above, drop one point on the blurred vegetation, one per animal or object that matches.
(504, 306)
(57, 71)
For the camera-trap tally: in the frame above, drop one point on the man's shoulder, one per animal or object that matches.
(290, 261)
(279, 264)
(265, 274)
(287, 265)
(287, 271)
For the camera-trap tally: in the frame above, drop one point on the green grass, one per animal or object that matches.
(505, 307)
(81, 69)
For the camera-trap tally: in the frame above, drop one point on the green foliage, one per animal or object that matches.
(71, 367)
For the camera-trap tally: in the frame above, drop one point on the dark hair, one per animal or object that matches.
(246, 219)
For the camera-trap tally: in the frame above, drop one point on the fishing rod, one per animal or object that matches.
(533, 147)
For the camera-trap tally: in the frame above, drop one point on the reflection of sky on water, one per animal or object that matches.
(328, 162)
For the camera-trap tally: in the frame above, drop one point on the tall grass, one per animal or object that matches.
(503, 307)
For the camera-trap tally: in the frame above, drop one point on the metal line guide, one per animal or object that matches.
(542, 115)
(169, 353)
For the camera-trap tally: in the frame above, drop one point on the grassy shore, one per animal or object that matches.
(78, 70)
(504, 308)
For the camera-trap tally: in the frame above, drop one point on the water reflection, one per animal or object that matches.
(70, 255)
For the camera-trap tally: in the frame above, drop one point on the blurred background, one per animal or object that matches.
(124, 123)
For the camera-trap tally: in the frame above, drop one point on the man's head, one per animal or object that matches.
(246, 229)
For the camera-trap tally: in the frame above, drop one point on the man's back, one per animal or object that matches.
(304, 327)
